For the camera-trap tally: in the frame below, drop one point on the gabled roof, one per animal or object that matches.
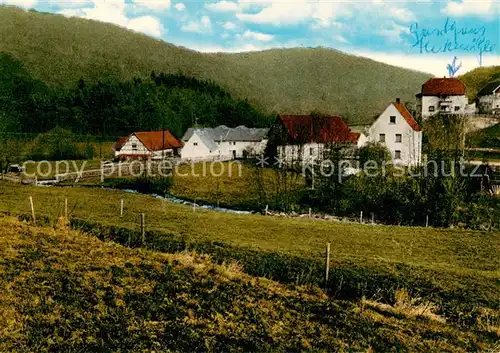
(207, 139)
(152, 140)
(224, 133)
(407, 116)
(490, 88)
(443, 87)
(305, 129)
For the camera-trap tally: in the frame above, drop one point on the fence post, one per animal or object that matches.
(32, 210)
(194, 205)
(327, 265)
(143, 228)
(361, 217)
(66, 208)
(267, 208)
(373, 218)
(309, 212)
(426, 221)
(121, 208)
(163, 205)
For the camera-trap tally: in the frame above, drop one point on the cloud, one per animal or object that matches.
(393, 32)
(222, 6)
(27, 4)
(340, 38)
(146, 24)
(279, 14)
(402, 14)
(230, 26)
(180, 6)
(483, 8)
(202, 26)
(263, 37)
(113, 11)
(153, 4)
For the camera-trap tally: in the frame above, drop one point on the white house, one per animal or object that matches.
(443, 95)
(147, 145)
(223, 143)
(396, 129)
(305, 139)
(488, 99)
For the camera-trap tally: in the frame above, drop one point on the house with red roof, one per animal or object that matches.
(147, 145)
(443, 95)
(303, 138)
(398, 130)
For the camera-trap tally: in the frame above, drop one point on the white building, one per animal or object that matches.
(147, 145)
(223, 143)
(305, 139)
(443, 95)
(396, 129)
(488, 99)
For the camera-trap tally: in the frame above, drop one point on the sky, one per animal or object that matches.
(442, 37)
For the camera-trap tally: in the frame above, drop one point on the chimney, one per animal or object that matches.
(398, 101)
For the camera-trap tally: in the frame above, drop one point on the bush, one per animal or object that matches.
(57, 144)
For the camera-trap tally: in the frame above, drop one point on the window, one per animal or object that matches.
(134, 147)
(431, 108)
(195, 143)
(392, 119)
(399, 138)
(397, 154)
(381, 138)
(457, 108)
(311, 151)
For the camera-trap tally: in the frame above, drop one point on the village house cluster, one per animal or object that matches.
(304, 137)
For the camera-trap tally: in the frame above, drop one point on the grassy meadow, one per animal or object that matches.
(68, 291)
(458, 271)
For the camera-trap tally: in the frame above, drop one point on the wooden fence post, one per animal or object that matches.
(32, 210)
(163, 205)
(373, 218)
(267, 208)
(327, 265)
(143, 228)
(426, 221)
(309, 212)
(194, 205)
(361, 217)
(121, 208)
(66, 208)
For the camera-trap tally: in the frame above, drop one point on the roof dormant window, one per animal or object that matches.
(195, 143)
(392, 119)
(399, 138)
(134, 147)
(397, 154)
(381, 138)
(431, 108)
(457, 108)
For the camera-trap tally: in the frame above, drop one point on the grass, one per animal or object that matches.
(457, 269)
(486, 138)
(60, 51)
(67, 291)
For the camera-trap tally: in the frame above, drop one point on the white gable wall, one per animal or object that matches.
(411, 140)
(442, 104)
(128, 147)
(489, 102)
(195, 148)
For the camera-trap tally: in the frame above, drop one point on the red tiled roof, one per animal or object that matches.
(443, 87)
(354, 136)
(153, 140)
(407, 115)
(305, 129)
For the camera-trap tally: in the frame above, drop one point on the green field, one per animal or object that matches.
(67, 291)
(457, 270)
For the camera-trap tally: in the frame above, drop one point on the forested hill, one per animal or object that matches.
(113, 108)
(59, 51)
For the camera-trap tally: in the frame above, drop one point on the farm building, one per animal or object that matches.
(148, 145)
(223, 143)
(488, 98)
(305, 138)
(396, 129)
(443, 95)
